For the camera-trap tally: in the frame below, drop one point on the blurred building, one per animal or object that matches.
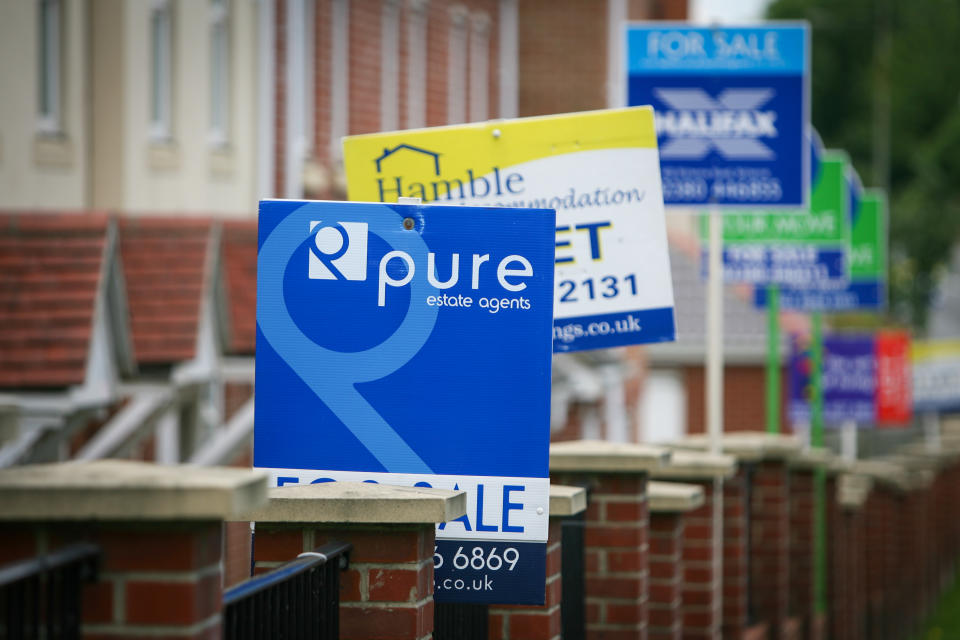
(129, 106)
(162, 110)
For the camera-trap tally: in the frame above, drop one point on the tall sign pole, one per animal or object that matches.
(733, 109)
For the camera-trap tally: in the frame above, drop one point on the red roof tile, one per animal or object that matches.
(163, 263)
(51, 265)
(240, 274)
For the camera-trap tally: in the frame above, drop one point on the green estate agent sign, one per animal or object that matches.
(800, 249)
(867, 289)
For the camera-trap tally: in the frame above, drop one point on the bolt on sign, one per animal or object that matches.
(733, 110)
(800, 248)
(599, 170)
(866, 379)
(410, 345)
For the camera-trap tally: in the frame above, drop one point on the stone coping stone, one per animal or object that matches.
(567, 501)
(673, 497)
(122, 490)
(697, 465)
(606, 457)
(818, 457)
(883, 472)
(853, 490)
(747, 446)
(359, 502)
(945, 455)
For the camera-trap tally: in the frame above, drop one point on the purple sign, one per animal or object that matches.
(849, 380)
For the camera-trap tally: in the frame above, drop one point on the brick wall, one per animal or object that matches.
(387, 593)
(702, 588)
(323, 78)
(237, 549)
(667, 569)
(534, 623)
(547, 28)
(802, 503)
(616, 544)
(769, 544)
(438, 30)
(736, 561)
(743, 404)
(364, 75)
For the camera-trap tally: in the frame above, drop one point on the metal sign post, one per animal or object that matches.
(733, 108)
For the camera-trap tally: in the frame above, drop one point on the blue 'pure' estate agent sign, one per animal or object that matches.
(732, 109)
(415, 356)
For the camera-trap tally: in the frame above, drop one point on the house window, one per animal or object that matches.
(48, 98)
(161, 44)
(219, 72)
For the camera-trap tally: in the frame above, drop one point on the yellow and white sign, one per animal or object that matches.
(936, 375)
(601, 172)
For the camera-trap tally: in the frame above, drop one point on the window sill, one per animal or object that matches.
(163, 156)
(53, 150)
(222, 162)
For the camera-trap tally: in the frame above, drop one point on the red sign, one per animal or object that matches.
(894, 391)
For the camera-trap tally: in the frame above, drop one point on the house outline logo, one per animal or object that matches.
(338, 251)
(387, 152)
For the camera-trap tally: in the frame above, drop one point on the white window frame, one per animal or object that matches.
(161, 69)
(457, 66)
(220, 70)
(49, 65)
(479, 67)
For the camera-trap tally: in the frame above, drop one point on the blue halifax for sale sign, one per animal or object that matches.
(732, 110)
(411, 345)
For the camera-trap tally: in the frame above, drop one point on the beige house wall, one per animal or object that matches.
(41, 170)
(105, 157)
(187, 174)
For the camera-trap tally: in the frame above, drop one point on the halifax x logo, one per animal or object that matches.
(731, 124)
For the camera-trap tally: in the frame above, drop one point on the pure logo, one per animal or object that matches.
(732, 123)
(339, 251)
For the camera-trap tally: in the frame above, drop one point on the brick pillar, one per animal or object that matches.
(534, 622)
(802, 508)
(387, 593)
(617, 523)
(820, 628)
(701, 588)
(736, 560)
(159, 529)
(702, 585)
(666, 575)
(770, 552)
(873, 573)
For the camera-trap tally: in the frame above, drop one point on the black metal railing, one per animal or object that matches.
(300, 599)
(455, 621)
(42, 597)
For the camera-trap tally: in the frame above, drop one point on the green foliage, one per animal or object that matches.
(886, 76)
